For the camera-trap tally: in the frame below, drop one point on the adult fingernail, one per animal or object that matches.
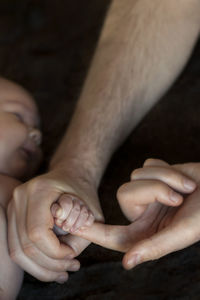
(62, 279)
(189, 185)
(133, 261)
(74, 267)
(175, 197)
(70, 256)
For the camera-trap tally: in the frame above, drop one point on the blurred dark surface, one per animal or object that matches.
(47, 46)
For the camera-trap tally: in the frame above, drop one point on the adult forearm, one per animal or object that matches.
(142, 49)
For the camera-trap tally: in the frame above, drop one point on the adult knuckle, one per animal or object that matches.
(61, 266)
(17, 192)
(160, 187)
(121, 192)
(29, 250)
(35, 234)
(191, 231)
(57, 253)
(46, 277)
(154, 251)
(38, 184)
(149, 162)
(135, 173)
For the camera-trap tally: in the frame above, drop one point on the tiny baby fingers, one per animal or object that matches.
(90, 219)
(66, 204)
(81, 220)
(85, 219)
(167, 175)
(55, 209)
(73, 216)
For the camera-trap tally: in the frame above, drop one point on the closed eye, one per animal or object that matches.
(19, 117)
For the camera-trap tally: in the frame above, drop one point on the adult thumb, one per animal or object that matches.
(160, 244)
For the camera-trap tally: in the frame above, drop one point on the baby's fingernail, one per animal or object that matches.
(58, 222)
(175, 197)
(59, 213)
(66, 228)
(62, 279)
(189, 185)
(133, 261)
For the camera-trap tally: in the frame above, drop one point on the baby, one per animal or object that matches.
(20, 156)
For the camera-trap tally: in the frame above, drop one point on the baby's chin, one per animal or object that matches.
(24, 172)
(30, 172)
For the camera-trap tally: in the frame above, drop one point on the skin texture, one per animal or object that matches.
(12, 276)
(143, 47)
(20, 136)
(70, 214)
(162, 203)
(20, 155)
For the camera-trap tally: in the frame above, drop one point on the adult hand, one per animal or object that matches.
(165, 211)
(32, 242)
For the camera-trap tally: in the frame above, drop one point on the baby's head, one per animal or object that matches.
(20, 137)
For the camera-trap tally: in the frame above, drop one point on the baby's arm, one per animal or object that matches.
(70, 214)
(12, 276)
(7, 185)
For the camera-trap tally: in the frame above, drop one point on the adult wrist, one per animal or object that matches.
(77, 169)
(77, 173)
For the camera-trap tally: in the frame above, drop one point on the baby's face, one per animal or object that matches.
(20, 138)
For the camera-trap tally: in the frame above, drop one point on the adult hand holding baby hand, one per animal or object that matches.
(32, 242)
(162, 202)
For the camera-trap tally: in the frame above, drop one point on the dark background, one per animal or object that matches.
(47, 46)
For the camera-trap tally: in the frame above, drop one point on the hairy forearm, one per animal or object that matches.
(143, 47)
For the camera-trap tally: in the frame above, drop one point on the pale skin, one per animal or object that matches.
(162, 203)
(20, 156)
(71, 214)
(12, 276)
(143, 47)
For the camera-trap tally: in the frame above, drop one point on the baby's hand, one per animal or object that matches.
(71, 214)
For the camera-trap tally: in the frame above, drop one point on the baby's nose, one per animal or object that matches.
(35, 135)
